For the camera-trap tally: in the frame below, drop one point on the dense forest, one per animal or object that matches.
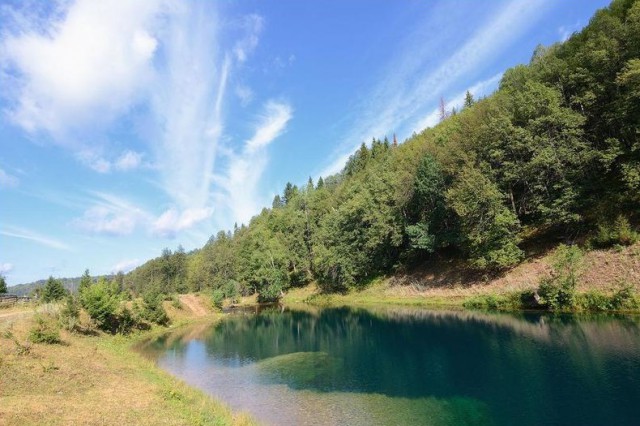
(552, 155)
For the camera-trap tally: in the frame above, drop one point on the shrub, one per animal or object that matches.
(217, 297)
(126, 321)
(101, 305)
(559, 291)
(53, 290)
(624, 298)
(44, 332)
(232, 290)
(594, 301)
(175, 302)
(497, 302)
(70, 314)
(618, 232)
(269, 293)
(153, 311)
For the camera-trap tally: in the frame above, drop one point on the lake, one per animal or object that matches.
(402, 366)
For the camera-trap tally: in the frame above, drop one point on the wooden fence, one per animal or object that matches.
(12, 299)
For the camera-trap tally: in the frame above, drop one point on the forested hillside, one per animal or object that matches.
(553, 155)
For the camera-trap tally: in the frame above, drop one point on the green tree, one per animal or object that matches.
(433, 227)
(3, 285)
(468, 99)
(85, 281)
(489, 228)
(53, 291)
(101, 304)
(559, 291)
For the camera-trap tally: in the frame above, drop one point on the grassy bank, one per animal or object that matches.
(95, 379)
(605, 280)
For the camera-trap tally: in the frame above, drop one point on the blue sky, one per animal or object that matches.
(130, 126)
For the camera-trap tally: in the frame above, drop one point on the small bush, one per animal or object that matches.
(272, 292)
(126, 321)
(153, 311)
(217, 298)
(44, 332)
(497, 302)
(594, 301)
(101, 305)
(616, 233)
(70, 314)
(624, 298)
(232, 291)
(175, 302)
(559, 291)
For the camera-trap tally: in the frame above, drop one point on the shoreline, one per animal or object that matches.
(98, 379)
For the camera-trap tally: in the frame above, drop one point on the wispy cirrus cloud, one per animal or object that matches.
(27, 234)
(239, 184)
(128, 160)
(478, 90)
(125, 266)
(111, 215)
(173, 221)
(7, 180)
(405, 96)
(5, 268)
(76, 72)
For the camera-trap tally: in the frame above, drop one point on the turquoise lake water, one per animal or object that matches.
(401, 366)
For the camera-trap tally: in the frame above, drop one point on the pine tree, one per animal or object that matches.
(276, 203)
(468, 99)
(320, 183)
(85, 281)
(53, 290)
(3, 285)
(290, 191)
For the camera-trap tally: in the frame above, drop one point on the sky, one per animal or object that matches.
(127, 127)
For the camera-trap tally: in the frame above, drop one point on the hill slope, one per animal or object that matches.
(553, 156)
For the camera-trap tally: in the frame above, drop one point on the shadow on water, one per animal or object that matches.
(527, 368)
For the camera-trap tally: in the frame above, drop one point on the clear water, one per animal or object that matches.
(405, 366)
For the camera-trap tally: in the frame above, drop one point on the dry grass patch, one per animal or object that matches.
(93, 380)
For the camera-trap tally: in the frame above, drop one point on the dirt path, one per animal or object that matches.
(8, 316)
(193, 303)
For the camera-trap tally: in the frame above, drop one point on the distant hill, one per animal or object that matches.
(70, 284)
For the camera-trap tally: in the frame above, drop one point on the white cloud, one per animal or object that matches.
(252, 25)
(240, 184)
(187, 105)
(404, 93)
(111, 215)
(244, 93)
(125, 266)
(129, 160)
(76, 72)
(82, 69)
(7, 180)
(478, 90)
(115, 216)
(272, 124)
(5, 268)
(26, 234)
(565, 31)
(102, 220)
(173, 221)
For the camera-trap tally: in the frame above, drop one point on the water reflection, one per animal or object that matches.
(399, 365)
